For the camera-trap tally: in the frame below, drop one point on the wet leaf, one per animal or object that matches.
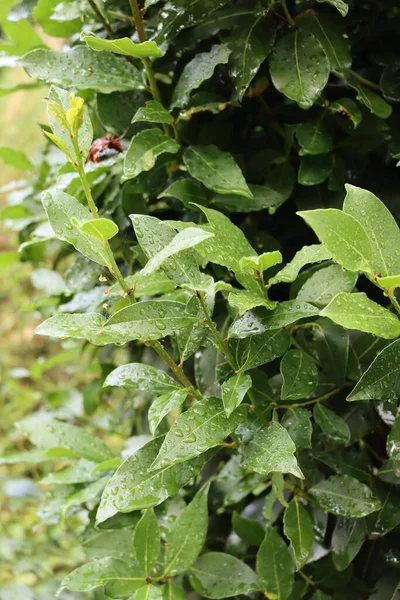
(144, 149)
(153, 112)
(256, 350)
(332, 346)
(305, 256)
(334, 427)
(234, 390)
(298, 528)
(347, 108)
(187, 191)
(345, 496)
(299, 375)
(325, 284)
(297, 422)
(141, 377)
(387, 517)
(250, 530)
(381, 381)
(123, 46)
(146, 541)
(275, 566)
(347, 539)
(164, 404)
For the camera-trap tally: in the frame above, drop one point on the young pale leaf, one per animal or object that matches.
(15, 158)
(250, 44)
(101, 229)
(203, 426)
(275, 566)
(107, 73)
(142, 377)
(217, 170)
(341, 6)
(298, 528)
(334, 427)
(313, 139)
(257, 350)
(218, 575)
(332, 346)
(345, 496)
(272, 450)
(153, 112)
(199, 69)
(64, 212)
(299, 67)
(164, 404)
(146, 541)
(343, 236)
(51, 434)
(187, 535)
(357, 311)
(347, 539)
(146, 488)
(297, 421)
(305, 256)
(380, 226)
(103, 571)
(299, 375)
(262, 262)
(381, 381)
(144, 149)
(234, 390)
(123, 46)
(388, 283)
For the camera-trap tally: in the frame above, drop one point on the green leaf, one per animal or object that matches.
(102, 572)
(192, 433)
(298, 528)
(89, 493)
(380, 226)
(199, 69)
(297, 422)
(80, 326)
(257, 350)
(187, 191)
(345, 496)
(357, 311)
(63, 212)
(387, 517)
(43, 14)
(15, 158)
(262, 262)
(146, 541)
(341, 6)
(275, 566)
(144, 149)
(345, 107)
(258, 321)
(343, 237)
(108, 73)
(234, 390)
(371, 100)
(299, 375)
(217, 170)
(393, 443)
(101, 229)
(244, 301)
(332, 346)
(148, 592)
(152, 112)
(187, 238)
(313, 139)
(250, 44)
(123, 46)
(325, 284)
(172, 592)
(250, 530)
(50, 434)
(164, 404)
(381, 381)
(187, 535)
(142, 377)
(146, 488)
(218, 575)
(388, 283)
(334, 427)
(305, 256)
(347, 539)
(314, 169)
(272, 450)
(299, 67)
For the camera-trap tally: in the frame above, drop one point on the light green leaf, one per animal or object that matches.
(108, 73)
(262, 262)
(144, 149)
(51, 434)
(146, 488)
(146, 541)
(244, 301)
(203, 426)
(334, 427)
(297, 422)
(103, 571)
(305, 256)
(218, 575)
(172, 592)
(347, 539)
(199, 69)
(153, 112)
(142, 377)
(164, 404)
(341, 6)
(380, 226)
(298, 528)
(275, 566)
(357, 311)
(101, 229)
(15, 158)
(234, 390)
(187, 535)
(216, 169)
(87, 326)
(187, 191)
(388, 283)
(257, 350)
(371, 100)
(343, 236)
(381, 381)
(325, 284)
(299, 375)
(346, 496)
(30, 457)
(63, 212)
(86, 494)
(81, 472)
(148, 592)
(290, 67)
(250, 44)
(313, 139)
(272, 450)
(123, 46)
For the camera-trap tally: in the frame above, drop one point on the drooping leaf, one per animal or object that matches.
(234, 390)
(299, 375)
(347, 108)
(144, 149)
(123, 46)
(146, 541)
(298, 528)
(275, 566)
(381, 381)
(334, 427)
(345, 496)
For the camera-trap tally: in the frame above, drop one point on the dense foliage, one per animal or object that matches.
(224, 276)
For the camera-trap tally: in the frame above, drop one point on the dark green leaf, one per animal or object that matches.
(257, 350)
(371, 100)
(298, 528)
(341, 6)
(313, 139)
(275, 566)
(146, 541)
(347, 539)
(299, 375)
(381, 381)
(334, 427)
(250, 530)
(332, 346)
(297, 421)
(144, 149)
(343, 495)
